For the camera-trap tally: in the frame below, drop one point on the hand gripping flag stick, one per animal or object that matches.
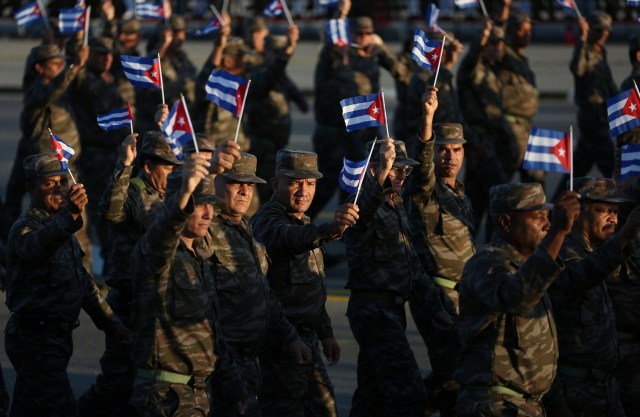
(59, 155)
(444, 39)
(366, 166)
(244, 100)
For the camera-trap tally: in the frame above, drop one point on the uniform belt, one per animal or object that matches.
(590, 374)
(45, 325)
(382, 296)
(499, 389)
(166, 376)
(446, 282)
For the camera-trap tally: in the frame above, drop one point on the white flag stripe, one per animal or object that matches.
(541, 157)
(224, 82)
(353, 171)
(630, 168)
(230, 98)
(359, 119)
(135, 65)
(543, 141)
(622, 119)
(106, 125)
(356, 106)
(351, 183)
(107, 117)
(630, 156)
(616, 106)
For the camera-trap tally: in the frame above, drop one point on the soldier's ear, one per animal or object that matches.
(504, 222)
(39, 68)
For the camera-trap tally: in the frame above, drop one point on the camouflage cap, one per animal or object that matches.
(258, 24)
(506, 198)
(154, 144)
(597, 189)
(42, 165)
(276, 42)
(296, 163)
(599, 20)
(244, 170)
(177, 22)
(235, 46)
(44, 52)
(203, 194)
(363, 24)
(129, 26)
(448, 133)
(204, 144)
(402, 158)
(103, 44)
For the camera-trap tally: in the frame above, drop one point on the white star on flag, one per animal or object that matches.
(181, 121)
(434, 57)
(632, 107)
(376, 110)
(561, 151)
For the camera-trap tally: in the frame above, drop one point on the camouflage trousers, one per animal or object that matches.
(474, 402)
(293, 390)
(249, 368)
(628, 375)
(40, 353)
(109, 396)
(587, 397)
(389, 380)
(164, 399)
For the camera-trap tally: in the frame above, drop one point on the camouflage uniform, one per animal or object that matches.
(584, 316)
(126, 90)
(509, 343)
(179, 342)
(46, 288)
(383, 273)
(443, 227)
(296, 276)
(129, 205)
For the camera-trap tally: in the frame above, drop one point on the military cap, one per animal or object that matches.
(203, 194)
(401, 153)
(599, 20)
(597, 189)
(244, 170)
(517, 19)
(204, 144)
(42, 165)
(43, 52)
(103, 44)
(235, 46)
(276, 42)
(506, 198)
(296, 163)
(154, 144)
(258, 24)
(363, 24)
(129, 26)
(448, 133)
(177, 22)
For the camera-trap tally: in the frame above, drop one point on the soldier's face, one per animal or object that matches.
(50, 68)
(494, 50)
(258, 37)
(198, 222)
(157, 174)
(448, 160)
(129, 41)
(49, 193)
(599, 221)
(296, 194)
(525, 230)
(398, 176)
(236, 195)
(100, 62)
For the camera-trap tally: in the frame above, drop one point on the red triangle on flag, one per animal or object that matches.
(181, 122)
(632, 105)
(153, 73)
(561, 151)
(240, 93)
(434, 55)
(376, 110)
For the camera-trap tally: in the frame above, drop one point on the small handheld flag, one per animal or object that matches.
(31, 13)
(465, 4)
(633, 3)
(328, 3)
(426, 53)
(142, 72)
(629, 161)
(226, 90)
(363, 111)
(569, 7)
(115, 119)
(213, 26)
(150, 10)
(72, 20)
(63, 151)
(351, 175)
(177, 128)
(548, 150)
(624, 112)
(431, 18)
(337, 31)
(355, 200)
(273, 8)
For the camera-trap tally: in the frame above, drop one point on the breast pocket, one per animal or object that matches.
(385, 244)
(189, 297)
(307, 267)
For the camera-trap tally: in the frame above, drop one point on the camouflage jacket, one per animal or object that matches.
(582, 304)
(248, 310)
(130, 207)
(404, 113)
(45, 277)
(175, 310)
(593, 81)
(296, 273)
(519, 92)
(506, 324)
(442, 220)
(625, 292)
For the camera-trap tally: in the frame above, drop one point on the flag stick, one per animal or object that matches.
(435, 80)
(68, 169)
(571, 158)
(484, 9)
(161, 83)
(130, 116)
(286, 12)
(193, 133)
(225, 6)
(244, 100)
(384, 107)
(355, 200)
(216, 13)
(575, 6)
(45, 18)
(86, 25)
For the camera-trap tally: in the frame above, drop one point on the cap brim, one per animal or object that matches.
(54, 173)
(545, 206)
(244, 178)
(207, 199)
(300, 173)
(450, 141)
(614, 200)
(401, 162)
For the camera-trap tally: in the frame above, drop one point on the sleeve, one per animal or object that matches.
(40, 96)
(94, 304)
(325, 330)
(423, 180)
(579, 65)
(370, 198)
(114, 199)
(398, 70)
(267, 76)
(279, 326)
(295, 94)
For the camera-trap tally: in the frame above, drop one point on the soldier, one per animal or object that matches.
(509, 344)
(296, 275)
(583, 312)
(129, 206)
(442, 222)
(257, 40)
(179, 343)
(46, 288)
(249, 313)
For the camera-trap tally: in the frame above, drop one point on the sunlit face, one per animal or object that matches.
(296, 194)
(364, 37)
(258, 37)
(50, 68)
(525, 230)
(598, 221)
(198, 222)
(179, 36)
(523, 35)
(236, 196)
(157, 174)
(398, 176)
(129, 41)
(49, 193)
(448, 160)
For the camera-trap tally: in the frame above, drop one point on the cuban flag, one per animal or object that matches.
(629, 161)
(142, 72)
(72, 20)
(226, 90)
(548, 150)
(568, 6)
(63, 151)
(213, 26)
(338, 32)
(274, 8)
(351, 175)
(150, 10)
(29, 14)
(633, 3)
(328, 3)
(466, 4)
(431, 18)
(177, 128)
(624, 112)
(425, 52)
(80, 4)
(363, 111)
(116, 119)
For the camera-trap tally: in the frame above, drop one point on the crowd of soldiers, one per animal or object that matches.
(216, 301)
